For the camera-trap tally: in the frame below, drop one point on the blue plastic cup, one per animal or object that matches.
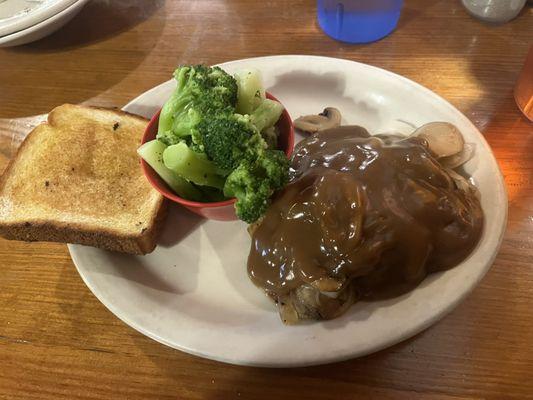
(358, 21)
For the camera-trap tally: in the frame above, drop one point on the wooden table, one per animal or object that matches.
(58, 342)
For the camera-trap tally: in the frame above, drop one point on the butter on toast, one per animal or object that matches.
(77, 179)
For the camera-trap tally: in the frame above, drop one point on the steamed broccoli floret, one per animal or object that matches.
(230, 138)
(223, 84)
(252, 194)
(253, 182)
(200, 90)
(275, 166)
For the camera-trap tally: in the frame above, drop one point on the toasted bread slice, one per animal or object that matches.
(77, 179)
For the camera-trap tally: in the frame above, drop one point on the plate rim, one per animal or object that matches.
(414, 329)
(7, 40)
(39, 14)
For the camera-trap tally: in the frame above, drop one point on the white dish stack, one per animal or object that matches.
(24, 21)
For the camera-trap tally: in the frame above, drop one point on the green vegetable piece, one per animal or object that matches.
(250, 91)
(270, 135)
(254, 182)
(192, 166)
(230, 138)
(199, 90)
(266, 114)
(212, 194)
(152, 153)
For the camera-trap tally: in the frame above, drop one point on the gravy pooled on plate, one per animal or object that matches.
(360, 214)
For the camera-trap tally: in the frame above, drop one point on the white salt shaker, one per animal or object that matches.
(495, 11)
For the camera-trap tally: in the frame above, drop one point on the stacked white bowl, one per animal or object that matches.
(24, 21)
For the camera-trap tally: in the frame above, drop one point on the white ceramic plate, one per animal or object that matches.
(16, 15)
(192, 293)
(44, 27)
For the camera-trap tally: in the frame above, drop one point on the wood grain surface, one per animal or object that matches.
(58, 342)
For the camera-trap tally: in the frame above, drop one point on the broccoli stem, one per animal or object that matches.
(266, 115)
(166, 118)
(152, 153)
(176, 120)
(250, 92)
(192, 166)
(270, 135)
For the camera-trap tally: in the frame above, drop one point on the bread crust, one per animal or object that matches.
(53, 231)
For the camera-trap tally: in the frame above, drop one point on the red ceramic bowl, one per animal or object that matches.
(221, 210)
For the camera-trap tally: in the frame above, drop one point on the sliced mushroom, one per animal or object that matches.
(460, 181)
(287, 311)
(327, 284)
(443, 139)
(460, 158)
(329, 118)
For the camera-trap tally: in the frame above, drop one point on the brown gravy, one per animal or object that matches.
(369, 212)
